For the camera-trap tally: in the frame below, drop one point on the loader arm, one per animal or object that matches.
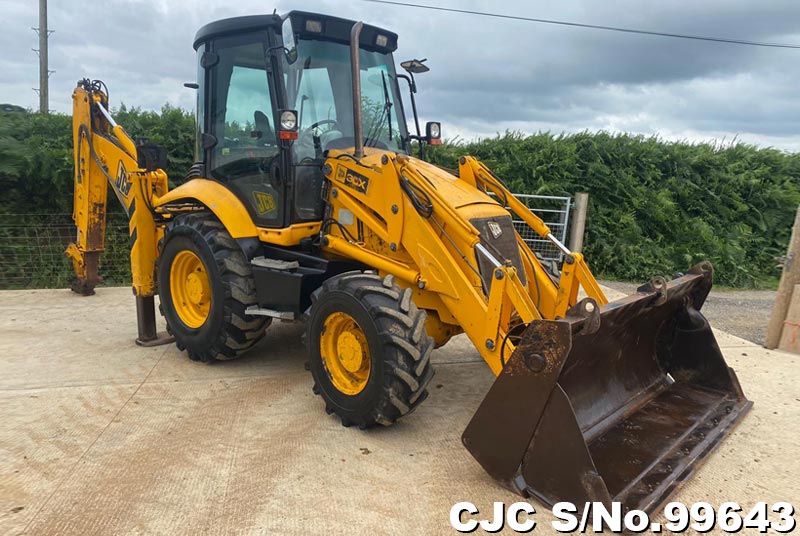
(106, 156)
(575, 273)
(442, 249)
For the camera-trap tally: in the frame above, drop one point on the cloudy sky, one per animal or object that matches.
(487, 75)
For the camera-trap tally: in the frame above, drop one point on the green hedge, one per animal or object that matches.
(658, 207)
(36, 154)
(36, 193)
(655, 207)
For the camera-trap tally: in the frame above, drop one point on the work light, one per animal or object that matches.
(288, 125)
(433, 131)
(288, 120)
(313, 26)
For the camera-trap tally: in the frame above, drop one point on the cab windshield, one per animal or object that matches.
(318, 86)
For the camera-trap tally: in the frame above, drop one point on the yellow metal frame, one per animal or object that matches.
(289, 236)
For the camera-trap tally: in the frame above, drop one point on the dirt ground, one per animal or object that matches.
(100, 436)
(743, 313)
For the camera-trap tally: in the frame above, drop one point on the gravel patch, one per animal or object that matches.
(744, 313)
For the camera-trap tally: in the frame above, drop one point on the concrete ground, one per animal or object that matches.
(100, 436)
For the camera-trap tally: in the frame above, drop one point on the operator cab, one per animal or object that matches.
(275, 93)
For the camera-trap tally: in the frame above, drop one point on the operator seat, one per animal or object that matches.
(326, 138)
(263, 126)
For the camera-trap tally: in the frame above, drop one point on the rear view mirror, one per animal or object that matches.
(415, 66)
(289, 44)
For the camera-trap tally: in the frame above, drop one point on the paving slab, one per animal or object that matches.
(103, 437)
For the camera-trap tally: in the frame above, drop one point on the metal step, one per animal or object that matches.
(275, 264)
(255, 310)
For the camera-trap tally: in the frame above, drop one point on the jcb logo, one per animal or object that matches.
(121, 182)
(264, 202)
(356, 181)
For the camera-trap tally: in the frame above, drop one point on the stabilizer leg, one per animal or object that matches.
(146, 320)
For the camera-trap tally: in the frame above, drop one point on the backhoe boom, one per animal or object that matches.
(106, 156)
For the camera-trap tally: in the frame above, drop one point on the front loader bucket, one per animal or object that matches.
(619, 403)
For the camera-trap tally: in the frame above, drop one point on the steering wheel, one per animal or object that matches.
(322, 122)
(303, 137)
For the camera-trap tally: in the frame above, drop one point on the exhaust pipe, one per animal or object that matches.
(355, 66)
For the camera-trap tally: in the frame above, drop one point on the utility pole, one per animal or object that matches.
(44, 72)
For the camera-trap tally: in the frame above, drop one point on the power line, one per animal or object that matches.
(592, 26)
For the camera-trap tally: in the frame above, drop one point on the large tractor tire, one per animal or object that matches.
(369, 351)
(205, 285)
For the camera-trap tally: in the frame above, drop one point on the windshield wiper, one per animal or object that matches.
(373, 134)
(387, 104)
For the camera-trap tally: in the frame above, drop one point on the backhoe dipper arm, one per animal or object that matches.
(105, 155)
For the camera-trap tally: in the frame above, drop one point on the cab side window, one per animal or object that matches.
(242, 121)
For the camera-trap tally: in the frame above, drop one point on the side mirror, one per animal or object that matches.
(433, 133)
(289, 44)
(415, 66)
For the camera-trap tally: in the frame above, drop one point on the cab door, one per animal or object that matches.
(244, 152)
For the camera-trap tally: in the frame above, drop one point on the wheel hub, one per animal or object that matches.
(197, 288)
(345, 353)
(351, 353)
(190, 288)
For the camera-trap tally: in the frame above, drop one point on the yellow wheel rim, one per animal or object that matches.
(190, 288)
(345, 353)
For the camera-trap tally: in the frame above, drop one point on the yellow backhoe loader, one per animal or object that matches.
(305, 204)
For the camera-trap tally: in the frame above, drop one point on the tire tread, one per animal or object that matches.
(407, 347)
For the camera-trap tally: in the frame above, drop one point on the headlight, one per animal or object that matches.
(288, 120)
(433, 133)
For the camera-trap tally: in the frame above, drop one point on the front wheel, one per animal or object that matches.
(369, 351)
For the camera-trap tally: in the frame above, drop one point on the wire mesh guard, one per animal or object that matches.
(554, 210)
(32, 251)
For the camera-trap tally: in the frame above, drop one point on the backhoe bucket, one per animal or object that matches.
(619, 403)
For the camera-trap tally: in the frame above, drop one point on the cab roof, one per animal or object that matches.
(333, 29)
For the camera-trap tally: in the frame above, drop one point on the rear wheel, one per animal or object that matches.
(369, 352)
(205, 285)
